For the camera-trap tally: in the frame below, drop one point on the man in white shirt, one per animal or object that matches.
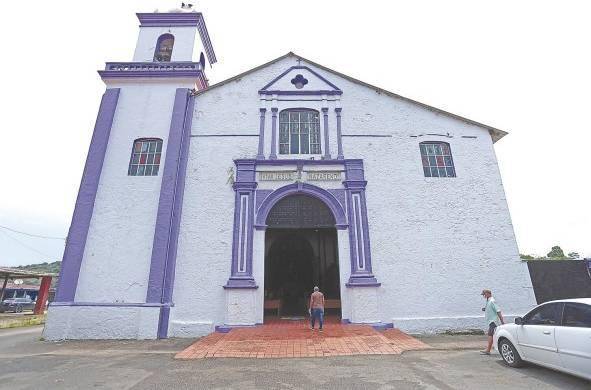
(492, 315)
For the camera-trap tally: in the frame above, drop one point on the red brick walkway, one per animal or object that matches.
(289, 339)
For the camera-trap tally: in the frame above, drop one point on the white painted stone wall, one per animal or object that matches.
(116, 262)
(436, 242)
(96, 322)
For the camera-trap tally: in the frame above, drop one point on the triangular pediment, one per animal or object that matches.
(300, 80)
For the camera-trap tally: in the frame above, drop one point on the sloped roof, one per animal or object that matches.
(21, 273)
(496, 134)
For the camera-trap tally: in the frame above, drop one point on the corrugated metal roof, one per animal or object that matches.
(21, 273)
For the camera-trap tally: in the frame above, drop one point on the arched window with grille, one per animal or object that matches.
(145, 157)
(299, 132)
(437, 160)
(164, 46)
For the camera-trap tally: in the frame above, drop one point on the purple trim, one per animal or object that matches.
(168, 19)
(340, 155)
(181, 19)
(261, 195)
(340, 195)
(383, 325)
(326, 138)
(300, 93)
(261, 153)
(273, 154)
(164, 248)
(243, 218)
(291, 161)
(354, 170)
(83, 210)
(356, 214)
(242, 240)
(116, 70)
(206, 41)
(336, 90)
(359, 248)
(306, 189)
(111, 304)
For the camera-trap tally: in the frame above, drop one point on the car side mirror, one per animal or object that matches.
(518, 320)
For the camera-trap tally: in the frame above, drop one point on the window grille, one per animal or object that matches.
(299, 132)
(437, 160)
(145, 157)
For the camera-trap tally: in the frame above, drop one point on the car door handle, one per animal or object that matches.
(547, 332)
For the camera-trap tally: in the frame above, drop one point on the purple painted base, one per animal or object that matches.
(248, 283)
(383, 326)
(363, 281)
(228, 328)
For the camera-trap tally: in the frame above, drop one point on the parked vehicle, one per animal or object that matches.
(17, 305)
(555, 334)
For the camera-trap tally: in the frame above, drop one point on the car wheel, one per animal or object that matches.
(509, 353)
(19, 309)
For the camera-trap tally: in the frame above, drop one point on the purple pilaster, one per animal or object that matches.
(326, 139)
(164, 248)
(242, 240)
(84, 207)
(359, 243)
(340, 155)
(261, 153)
(273, 155)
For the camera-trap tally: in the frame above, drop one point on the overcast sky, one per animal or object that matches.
(521, 66)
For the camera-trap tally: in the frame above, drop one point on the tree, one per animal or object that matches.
(526, 257)
(556, 253)
(574, 255)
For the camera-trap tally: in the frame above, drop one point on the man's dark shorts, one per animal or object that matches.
(491, 328)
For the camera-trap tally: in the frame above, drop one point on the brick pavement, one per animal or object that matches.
(290, 339)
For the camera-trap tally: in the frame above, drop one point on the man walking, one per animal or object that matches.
(316, 308)
(492, 314)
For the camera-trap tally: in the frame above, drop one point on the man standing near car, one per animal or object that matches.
(492, 314)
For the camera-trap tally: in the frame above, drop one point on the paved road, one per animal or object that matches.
(28, 363)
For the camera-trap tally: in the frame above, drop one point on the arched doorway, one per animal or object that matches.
(300, 252)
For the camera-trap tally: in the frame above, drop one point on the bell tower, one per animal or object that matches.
(167, 47)
(119, 261)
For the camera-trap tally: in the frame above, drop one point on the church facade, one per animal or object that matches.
(203, 208)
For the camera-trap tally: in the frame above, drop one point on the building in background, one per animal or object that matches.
(205, 207)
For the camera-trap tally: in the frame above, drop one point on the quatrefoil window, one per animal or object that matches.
(299, 81)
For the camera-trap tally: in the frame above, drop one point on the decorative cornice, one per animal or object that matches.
(300, 93)
(116, 70)
(169, 19)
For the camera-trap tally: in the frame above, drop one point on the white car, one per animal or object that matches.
(555, 334)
